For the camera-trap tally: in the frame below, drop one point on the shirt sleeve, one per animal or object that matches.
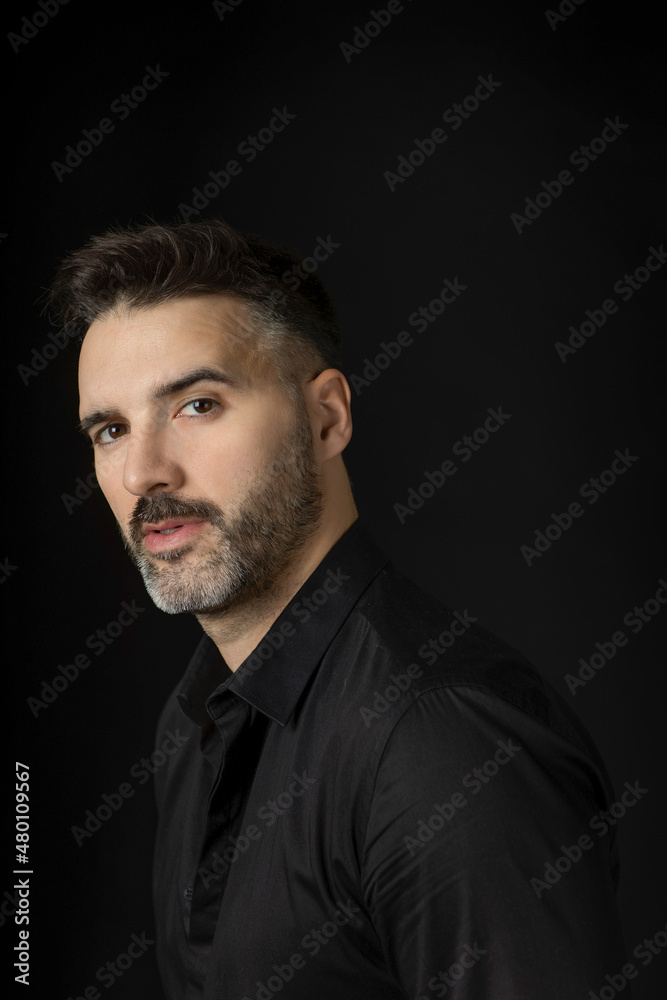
(483, 875)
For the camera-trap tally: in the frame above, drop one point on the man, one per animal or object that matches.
(377, 798)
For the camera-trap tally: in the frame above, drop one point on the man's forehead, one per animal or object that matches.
(151, 345)
(222, 318)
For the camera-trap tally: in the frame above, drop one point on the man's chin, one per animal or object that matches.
(182, 592)
(186, 603)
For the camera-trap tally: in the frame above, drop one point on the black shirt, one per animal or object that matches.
(383, 801)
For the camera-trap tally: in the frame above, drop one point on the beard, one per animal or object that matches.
(252, 544)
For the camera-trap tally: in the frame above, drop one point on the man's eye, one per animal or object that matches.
(110, 433)
(200, 406)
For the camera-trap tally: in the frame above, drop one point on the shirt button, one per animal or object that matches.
(188, 893)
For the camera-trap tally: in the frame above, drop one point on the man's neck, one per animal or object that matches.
(238, 631)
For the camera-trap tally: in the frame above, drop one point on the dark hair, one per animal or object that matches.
(147, 265)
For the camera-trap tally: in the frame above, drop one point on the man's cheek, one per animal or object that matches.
(226, 472)
(107, 467)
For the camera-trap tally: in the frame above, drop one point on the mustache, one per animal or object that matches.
(166, 507)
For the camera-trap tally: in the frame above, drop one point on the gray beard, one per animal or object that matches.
(251, 545)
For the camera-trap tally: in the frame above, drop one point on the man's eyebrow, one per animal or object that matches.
(196, 375)
(170, 388)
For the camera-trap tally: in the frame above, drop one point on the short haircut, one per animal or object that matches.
(144, 266)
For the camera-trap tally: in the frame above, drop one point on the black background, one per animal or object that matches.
(65, 572)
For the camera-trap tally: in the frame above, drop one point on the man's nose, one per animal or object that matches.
(149, 467)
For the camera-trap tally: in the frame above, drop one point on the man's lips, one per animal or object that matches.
(177, 532)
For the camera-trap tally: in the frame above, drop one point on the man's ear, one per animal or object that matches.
(328, 399)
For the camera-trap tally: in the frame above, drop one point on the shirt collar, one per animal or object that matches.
(273, 677)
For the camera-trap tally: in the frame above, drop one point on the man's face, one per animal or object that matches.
(206, 463)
